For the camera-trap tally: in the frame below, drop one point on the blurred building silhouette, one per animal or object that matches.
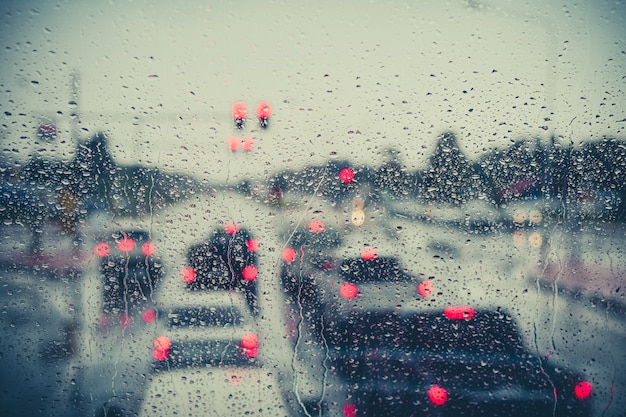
(92, 172)
(450, 178)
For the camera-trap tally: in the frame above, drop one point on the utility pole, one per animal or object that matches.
(74, 105)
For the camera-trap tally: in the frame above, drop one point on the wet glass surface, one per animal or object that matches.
(334, 209)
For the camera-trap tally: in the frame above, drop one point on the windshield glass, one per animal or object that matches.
(235, 208)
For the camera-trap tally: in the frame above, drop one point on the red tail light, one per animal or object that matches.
(459, 312)
(102, 249)
(369, 254)
(161, 351)
(149, 316)
(250, 345)
(348, 290)
(317, 226)
(188, 274)
(349, 410)
(249, 273)
(582, 390)
(289, 255)
(346, 175)
(126, 244)
(231, 228)
(437, 395)
(425, 288)
(253, 245)
(148, 249)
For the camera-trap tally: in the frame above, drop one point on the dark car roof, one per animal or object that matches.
(483, 330)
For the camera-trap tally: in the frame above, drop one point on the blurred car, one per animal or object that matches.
(227, 260)
(215, 290)
(36, 344)
(208, 359)
(216, 339)
(117, 309)
(130, 272)
(459, 361)
(407, 326)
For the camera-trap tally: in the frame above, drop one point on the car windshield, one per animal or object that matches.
(269, 208)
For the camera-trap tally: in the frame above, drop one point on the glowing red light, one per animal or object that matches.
(349, 410)
(316, 226)
(437, 395)
(233, 143)
(425, 288)
(582, 390)
(148, 249)
(263, 110)
(240, 111)
(346, 175)
(249, 273)
(149, 316)
(289, 255)
(253, 245)
(161, 351)
(102, 249)
(247, 143)
(369, 254)
(188, 274)
(231, 228)
(162, 342)
(126, 321)
(348, 290)
(250, 345)
(459, 312)
(126, 244)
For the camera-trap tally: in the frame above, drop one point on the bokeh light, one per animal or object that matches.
(369, 254)
(459, 312)
(252, 245)
(250, 345)
(249, 273)
(263, 110)
(346, 175)
(239, 111)
(348, 290)
(149, 316)
(349, 410)
(125, 244)
(582, 390)
(188, 274)
(162, 345)
(247, 143)
(437, 395)
(289, 255)
(425, 288)
(102, 249)
(231, 228)
(317, 226)
(233, 143)
(148, 249)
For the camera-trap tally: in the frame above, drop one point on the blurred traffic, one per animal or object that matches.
(171, 276)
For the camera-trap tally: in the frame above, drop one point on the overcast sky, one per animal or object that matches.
(346, 79)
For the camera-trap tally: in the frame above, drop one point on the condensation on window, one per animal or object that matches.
(328, 209)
